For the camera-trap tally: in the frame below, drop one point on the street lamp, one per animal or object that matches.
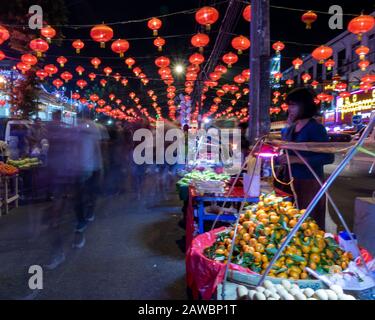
(179, 69)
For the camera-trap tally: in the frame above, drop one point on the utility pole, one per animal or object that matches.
(260, 93)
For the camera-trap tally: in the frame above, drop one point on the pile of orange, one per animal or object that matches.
(263, 228)
(7, 170)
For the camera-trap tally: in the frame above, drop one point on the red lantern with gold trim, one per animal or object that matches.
(23, 67)
(4, 34)
(96, 62)
(107, 71)
(230, 59)
(322, 53)
(162, 62)
(362, 51)
(309, 18)
(159, 43)
(207, 16)
(51, 69)
(360, 25)
(247, 13)
(81, 84)
(154, 24)
(101, 33)
(80, 70)
(241, 44)
(29, 59)
(78, 45)
(48, 32)
(39, 46)
(278, 46)
(66, 76)
(57, 83)
(41, 74)
(120, 46)
(62, 61)
(200, 40)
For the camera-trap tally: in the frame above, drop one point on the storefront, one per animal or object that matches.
(359, 104)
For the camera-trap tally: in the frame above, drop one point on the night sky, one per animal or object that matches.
(286, 26)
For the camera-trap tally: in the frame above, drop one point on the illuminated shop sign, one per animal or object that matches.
(358, 101)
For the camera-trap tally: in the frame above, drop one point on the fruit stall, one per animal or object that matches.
(276, 251)
(9, 191)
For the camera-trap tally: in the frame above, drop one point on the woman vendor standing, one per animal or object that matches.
(303, 127)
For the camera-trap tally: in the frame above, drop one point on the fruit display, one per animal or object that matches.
(261, 231)
(289, 291)
(198, 175)
(7, 170)
(26, 163)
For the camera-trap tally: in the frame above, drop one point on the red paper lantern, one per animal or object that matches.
(322, 53)
(344, 94)
(362, 51)
(285, 107)
(120, 46)
(107, 71)
(278, 46)
(66, 76)
(314, 84)
(58, 83)
(297, 63)
(278, 76)
(240, 43)
(196, 59)
(94, 97)
(23, 67)
(220, 68)
(360, 25)
(102, 34)
(239, 79)
(306, 77)
(96, 62)
(29, 59)
(368, 78)
(247, 13)
(78, 45)
(130, 62)
(39, 46)
(220, 93)
(246, 73)
(103, 82)
(101, 103)
(51, 69)
(42, 74)
(200, 40)
(159, 43)
(62, 60)
(207, 16)
(4, 34)
(76, 96)
(214, 76)
(92, 76)
(112, 96)
(330, 63)
(48, 32)
(80, 70)
(124, 82)
(162, 62)
(2, 55)
(363, 64)
(309, 18)
(230, 59)
(81, 83)
(154, 24)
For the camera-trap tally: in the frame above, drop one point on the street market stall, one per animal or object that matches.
(272, 240)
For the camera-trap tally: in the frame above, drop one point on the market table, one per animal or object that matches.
(197, 201)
